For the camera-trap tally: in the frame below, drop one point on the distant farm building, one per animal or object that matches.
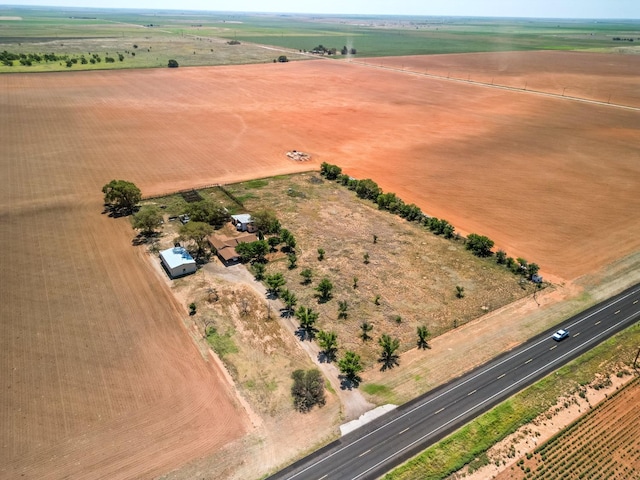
(177, 262)
(225, 247)
(244, 223)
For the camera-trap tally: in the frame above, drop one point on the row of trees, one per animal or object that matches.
(478, 245)
(28, 59)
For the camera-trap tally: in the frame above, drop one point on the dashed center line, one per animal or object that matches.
(555, 346)
(598, 322)
(501, 375)
(400, 433)
(635, 302)
(530, 360)
(364, 453)
(439, 411)
(616, 312)
(323, 477)
(471, 393)
(576, 334)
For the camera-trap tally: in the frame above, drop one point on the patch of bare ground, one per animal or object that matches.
(404, 275)
(602, 399)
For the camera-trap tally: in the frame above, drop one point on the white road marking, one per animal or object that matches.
(471, 393)
(598, 322)
(501, 376)
(364, 453)
(555, 346)
(635, 302)
(530, 360)
(324, 476)
(616, 312)
(576, 334)
(400, 433)
(439, 411)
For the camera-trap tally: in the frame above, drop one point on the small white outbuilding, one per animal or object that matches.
(177, 262)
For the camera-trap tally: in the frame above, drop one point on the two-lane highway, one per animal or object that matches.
(377, 447)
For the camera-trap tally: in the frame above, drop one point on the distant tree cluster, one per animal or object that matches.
(622, 39)
(348, 51)
(29, 59)
(322, 50)
(173, 63)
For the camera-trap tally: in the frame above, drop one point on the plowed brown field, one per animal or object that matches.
(99, 375)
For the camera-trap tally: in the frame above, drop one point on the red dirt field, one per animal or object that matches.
(595, 76)
(100, 378)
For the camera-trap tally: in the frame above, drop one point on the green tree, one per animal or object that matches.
(321, 253)
(121, 195)
(365, 328)
(287, 237)
(307, 275)
(355, 282)
(388, 356)
(368, 189)
(328, 342)
(343, 306)
(196, 232)
(330, 172)
(147, 219)
(350, 366)
(501, 257)
(274, 241)
(208, 212)
(274, 282)
(266, 222)
(365, 258)
(423, 336)
(324, 290)
(307, 318)
(307, 389)
(290, 300)
(283, 59)
(253, 251)
(172, 64)
(479, 245)
(459, 291)
(292, 258)
(259, 270)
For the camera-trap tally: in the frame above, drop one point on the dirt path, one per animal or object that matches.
(353, 402)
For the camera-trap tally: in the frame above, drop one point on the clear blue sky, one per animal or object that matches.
(487, 8)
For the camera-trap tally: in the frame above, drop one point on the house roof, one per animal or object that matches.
(225, 246)
(176, 257)
(242, 218)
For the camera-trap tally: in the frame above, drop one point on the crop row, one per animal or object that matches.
(605, 444)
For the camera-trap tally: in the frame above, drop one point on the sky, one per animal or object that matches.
(629, 9)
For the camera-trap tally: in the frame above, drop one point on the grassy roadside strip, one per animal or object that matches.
(475, 438)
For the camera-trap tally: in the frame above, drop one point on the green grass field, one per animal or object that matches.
(200, 38)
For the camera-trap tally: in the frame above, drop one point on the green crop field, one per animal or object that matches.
(201, 38)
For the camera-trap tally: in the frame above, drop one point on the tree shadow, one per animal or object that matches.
(423, 345)
(117, 212)
(144, 238)
(326, 357)
(306, 333)
(349, 382)
(388, 362)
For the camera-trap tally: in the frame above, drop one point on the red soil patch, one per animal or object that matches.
(100, 376)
